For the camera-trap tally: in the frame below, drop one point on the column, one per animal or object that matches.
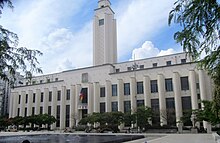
(108, 94)
(54, 106)
(192, 83)
(45, 100)
(120, 95)
(203, 94)
(96, 97)
(72, 105)
(37, 102)
(14, 105)
(133, 87)
(90, 98)
(22, 103)
(63, 108)
(76, 116)
(177, 97)
(30, 101)
(162, 101)
(147, 98)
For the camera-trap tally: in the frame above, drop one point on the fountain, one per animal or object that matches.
(69, 138)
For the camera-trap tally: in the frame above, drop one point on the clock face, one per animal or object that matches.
(84, 77)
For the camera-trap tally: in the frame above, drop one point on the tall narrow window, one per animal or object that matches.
(140, 103)
(68, 94)
(102, 92)
(41, 110)
(67, 115)
(58, 116)
(126, 88)
(114, 106)
(25, 112)
(184, 83)
(26, 98)
(19, 99)
(140, 88)
(34, 97)
(42, 97)
(50, 96)
(127, 106)
(169, 84)
(102, 107)
(18, 112)
(114, 90)
(58, 95)
(49, 110)
(33, 111)
(153, 85)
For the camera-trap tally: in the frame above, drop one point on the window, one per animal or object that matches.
(141, 66)
(25, 112)
(154, 64)
(33, 110)
(114, 90)
(170, 103)
(19, 99)
(34, 98)
(49, 110)
(140, 88)
(56, 79)
(50, 96)
(101, 22)
(102, 107)
(58, 95)
(42, 97)
(117, 70)
(58, 116)
(48, 80)
(68, 94)
(41, 110)
(168, 63)
(169, 84)
(128, 68)
(67, 115)
(18, 112)
(85, 77)
(184, 83)
(183, 61)
(126, 88)
(186, 103)
(41, 81)
(127, 106)
(153, 86)
(156, 111)
(102, 92)
(26, 98)
(170, 107)
(114, 106)
(140, 103)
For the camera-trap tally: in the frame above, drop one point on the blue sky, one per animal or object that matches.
(62, 30)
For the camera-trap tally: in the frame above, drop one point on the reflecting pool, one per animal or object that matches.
(69, 138)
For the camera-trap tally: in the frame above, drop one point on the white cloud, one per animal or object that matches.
(140, 21)
(148, 50)
(42, 25)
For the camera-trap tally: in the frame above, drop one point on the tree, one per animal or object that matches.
(201, 33)
(14, 58)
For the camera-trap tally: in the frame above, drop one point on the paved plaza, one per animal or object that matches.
(178, 138)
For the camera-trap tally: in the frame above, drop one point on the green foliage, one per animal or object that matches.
(208, 114)
(143, 114)
(200, 22)
(14, 58)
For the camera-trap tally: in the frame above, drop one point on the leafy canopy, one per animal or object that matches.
(14, 58)
(200, 22)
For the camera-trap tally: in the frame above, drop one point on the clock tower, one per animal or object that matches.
(104, 34)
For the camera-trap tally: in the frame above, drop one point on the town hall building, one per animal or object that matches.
(165, 83)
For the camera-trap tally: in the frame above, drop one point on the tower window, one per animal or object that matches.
(101, 22)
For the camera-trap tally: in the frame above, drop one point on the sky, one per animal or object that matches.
(62, 30)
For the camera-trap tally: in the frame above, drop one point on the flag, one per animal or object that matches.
(81, 95)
